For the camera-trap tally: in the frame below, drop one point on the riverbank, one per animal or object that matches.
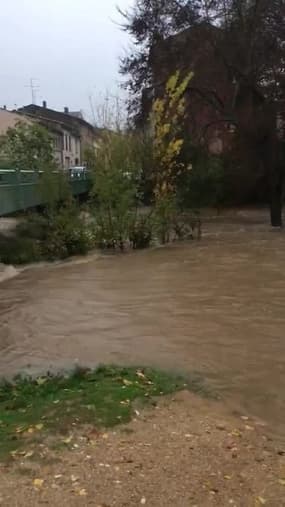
(186, 451)
(34, 409)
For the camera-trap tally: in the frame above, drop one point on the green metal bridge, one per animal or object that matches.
(21, 190)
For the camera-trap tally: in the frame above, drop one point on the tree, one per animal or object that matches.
(252, 46)
(148, 22)
(115, 169)
(29, 147)
(248, 37)
(167, 121)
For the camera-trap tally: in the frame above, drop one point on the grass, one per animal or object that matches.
(31, 409)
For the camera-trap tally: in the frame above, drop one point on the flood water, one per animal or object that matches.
(216, 307)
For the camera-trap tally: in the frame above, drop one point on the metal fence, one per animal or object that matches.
(21, 190)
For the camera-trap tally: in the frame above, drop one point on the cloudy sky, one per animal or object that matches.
(69, 47)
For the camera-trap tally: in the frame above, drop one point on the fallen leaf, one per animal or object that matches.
(143, 500)
(58, 476)
(244, 418)
(282, 482)
(39, 427)
(29, 454)
(227, 477)
(127, 382)
(137, 413)
(31, 430)
(236, 433)
(74, 478)
(68, 440)
(56, 402)
(249, 428)
(82, 492)
(41, 380)
(105, 436)
(20, 429)
(261, 500)
(38, 483)
(140, 374)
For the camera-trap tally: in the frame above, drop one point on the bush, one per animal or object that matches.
(56, 235)
(14, 250)
(115, 190)
(164, 214)
(141, 231)
(66, 234)
(204, 185)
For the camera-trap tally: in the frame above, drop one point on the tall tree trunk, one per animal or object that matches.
(275, 167)
(276, 205)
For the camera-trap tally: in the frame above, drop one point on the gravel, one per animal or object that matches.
(186, 452)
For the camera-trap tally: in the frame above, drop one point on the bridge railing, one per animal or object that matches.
(21, 190)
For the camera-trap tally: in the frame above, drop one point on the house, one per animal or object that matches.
(72, 134)
(9, 119)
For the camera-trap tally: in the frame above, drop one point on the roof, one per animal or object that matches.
(70, 121)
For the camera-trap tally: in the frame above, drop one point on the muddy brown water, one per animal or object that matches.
(216, 307)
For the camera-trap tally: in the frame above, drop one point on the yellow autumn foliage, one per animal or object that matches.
(167, 116)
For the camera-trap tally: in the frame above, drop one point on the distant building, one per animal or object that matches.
(72, 134)
(9, 119)
(210, 89)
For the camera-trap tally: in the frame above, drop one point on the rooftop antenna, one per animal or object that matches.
(33, 87)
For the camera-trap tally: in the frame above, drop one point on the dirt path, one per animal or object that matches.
(186, 452)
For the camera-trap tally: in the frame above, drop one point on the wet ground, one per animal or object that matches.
(214, 306)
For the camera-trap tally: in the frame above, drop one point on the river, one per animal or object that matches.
(216, 307)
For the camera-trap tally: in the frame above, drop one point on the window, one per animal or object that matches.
(69, 143)
(58, 142)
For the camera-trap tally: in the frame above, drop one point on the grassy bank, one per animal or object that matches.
(32, 409)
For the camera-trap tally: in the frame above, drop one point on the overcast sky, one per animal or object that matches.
(70, 47)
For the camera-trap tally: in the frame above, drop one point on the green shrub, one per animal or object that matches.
(66, 234)
(205, 184)
(14, 250)
(141, 231)
(57, 234)
(115, 189)
(34, 227)
(164, 214)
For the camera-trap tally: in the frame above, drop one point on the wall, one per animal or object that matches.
(9, 120)
(71, 153)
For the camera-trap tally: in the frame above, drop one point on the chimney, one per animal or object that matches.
(44, 104)
(66, 110)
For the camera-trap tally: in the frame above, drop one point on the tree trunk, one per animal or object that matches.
(276, 206)
(275, 163)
